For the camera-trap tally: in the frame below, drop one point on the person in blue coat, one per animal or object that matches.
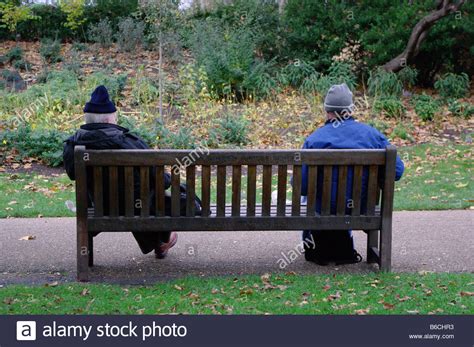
(342, 131)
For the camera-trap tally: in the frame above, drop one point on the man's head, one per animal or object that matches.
(100, 109)
(338, 101)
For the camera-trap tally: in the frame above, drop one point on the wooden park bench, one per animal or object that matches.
(375, 217)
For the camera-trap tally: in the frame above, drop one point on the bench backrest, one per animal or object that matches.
(253, 174)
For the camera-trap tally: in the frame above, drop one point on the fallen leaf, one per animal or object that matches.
(387, 306)
(52, 284)
(362, 311)
(178, 287)
(467, 293)
(27, 238)
(85, 292)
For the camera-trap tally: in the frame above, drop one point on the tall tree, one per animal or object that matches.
(419, 32)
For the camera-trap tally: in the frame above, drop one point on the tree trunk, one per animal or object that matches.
(419, 32)
(160, 80)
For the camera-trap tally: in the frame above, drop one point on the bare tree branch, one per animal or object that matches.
(419, 32)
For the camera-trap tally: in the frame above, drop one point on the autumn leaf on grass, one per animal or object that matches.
(27, 238)
(405, 298)
(362, 311)
(85, 292)
(326, 287)
(178, 287)
(387, 305)
(52, 284)
(461, 185)
(467, 293)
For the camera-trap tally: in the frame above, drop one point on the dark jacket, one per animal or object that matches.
(102, 136)
(347, 134)
(111, 136)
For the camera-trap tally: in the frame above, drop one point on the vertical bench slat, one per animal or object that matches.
(326, 196)
(281, 194)
(266, 190)
(190, 190)
(387, 209)
(296, 191)
(312, 183)
(160, 191)
(129, 191)
(236, 189)
(175, 193)
(145, 191)
(372, 188)
(341, 190)
(98, 192)
(113, 191)
(221, 190)
(356, 190)
(251, 189)
(206, 190)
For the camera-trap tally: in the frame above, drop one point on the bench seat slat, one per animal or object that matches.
(234, 223)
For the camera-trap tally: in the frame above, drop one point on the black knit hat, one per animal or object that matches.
(100, 102)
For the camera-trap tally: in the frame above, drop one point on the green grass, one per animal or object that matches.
(380, 293)
(436, 178)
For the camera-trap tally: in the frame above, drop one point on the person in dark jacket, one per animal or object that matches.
(342, 131)
(102, 132)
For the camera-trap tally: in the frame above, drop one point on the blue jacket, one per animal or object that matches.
(347, 134)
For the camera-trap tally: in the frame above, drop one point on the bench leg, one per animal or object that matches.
(386, 249)
(82, 252)
(91, 249)
(372, 246)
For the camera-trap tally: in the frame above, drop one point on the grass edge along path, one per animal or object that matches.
(378, 293)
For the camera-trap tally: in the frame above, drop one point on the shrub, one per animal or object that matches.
(294, 73)
(144, 90)
(462, 109)
(14, 54)
(227, 56)
(384, 84)
(338, 73)
(130, 34)
(183, 139)
(232, 130)
(379, 124)
(22, 65)
(401, 132)
(390, 107)
(46, 145)
(407, 76)
(50, 51)
(426, 107)
(147, 133)
(260, 82)
(101, 33)
(114, 83)
(453, 86)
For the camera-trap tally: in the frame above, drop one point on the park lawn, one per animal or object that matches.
(379, 293)
(436, 178)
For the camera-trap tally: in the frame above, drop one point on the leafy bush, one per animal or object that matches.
(338, 73)
(227, 56)
(46, 145)
(101, 33)
(453, 86)
(390, 107)
(144, 90)
(261, 82)
(22, 65)
(462, 109)
(78, 46)
(130, 34)
(401, 131)
(50, 51)
(379, 124)
(232, 130)
(14, 54)
(183, 139)
(114, 83)
(294, 73)
(407, 76)
(426, 107)
(147, 133)
(384, 84)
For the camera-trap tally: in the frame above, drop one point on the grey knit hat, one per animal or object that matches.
(339, 99)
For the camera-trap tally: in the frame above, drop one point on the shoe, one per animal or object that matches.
(162, 250)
